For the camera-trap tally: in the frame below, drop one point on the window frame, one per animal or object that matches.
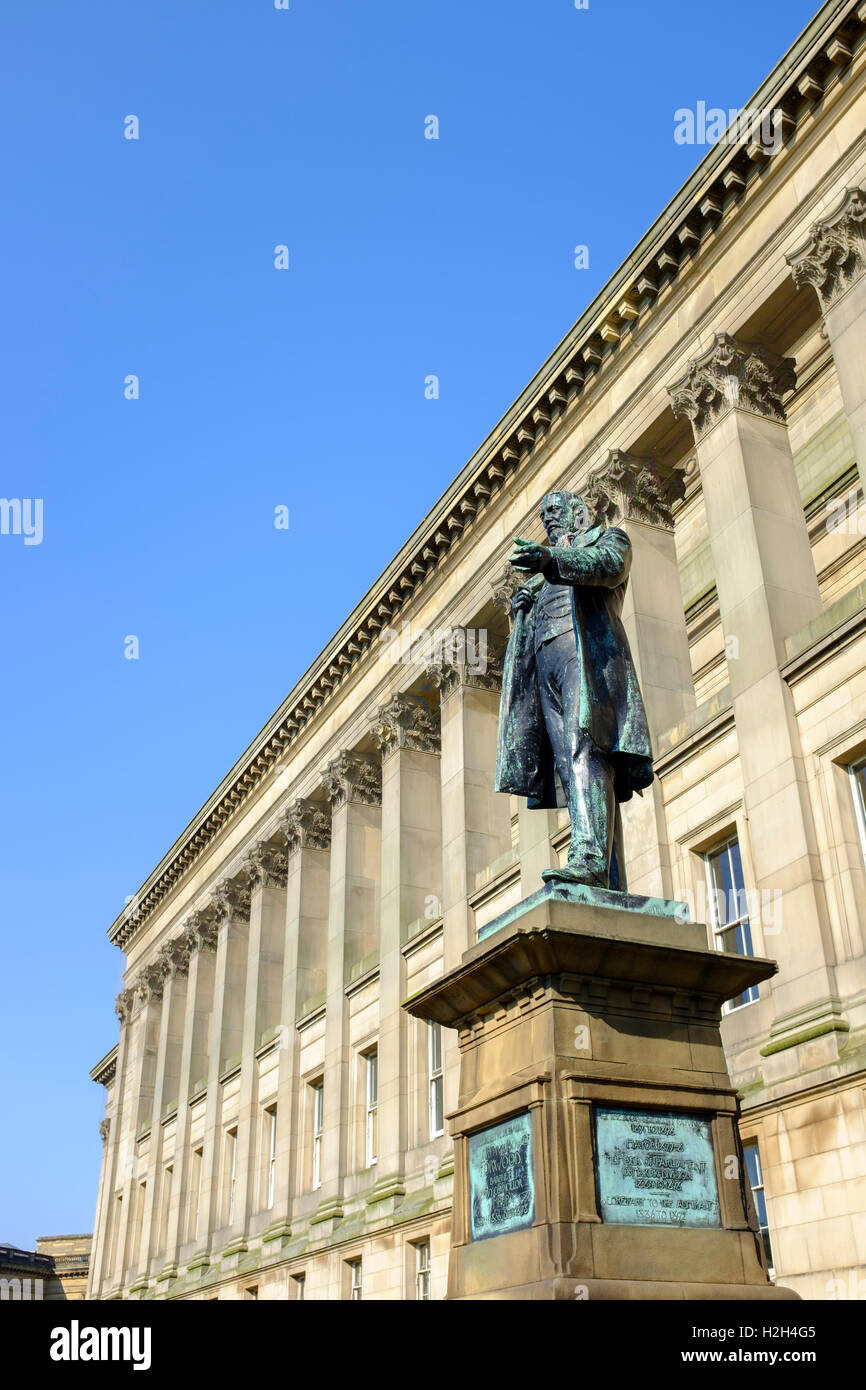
(752, 1145)
(371, 1106)
(317, 1128)
(742, 919)
(269, 1151)
(423, 1271)
(435, 1081)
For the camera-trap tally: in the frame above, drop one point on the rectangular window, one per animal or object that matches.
(422, 1270)
(371, 1060)
(434, 1072)
(318, 1098)
(729, 910)
(270, 1152)
(858, 787)
(195, 1173)
(354, 1280)
(231, 1164)
(167, 1177)
(299, 1286)
(756, 1182)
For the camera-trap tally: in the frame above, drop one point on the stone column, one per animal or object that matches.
(265, 868)
(231, 906)
(353, 784)
(407, 734)
(136, 1111)
(833, 262)
(630, 493)
(102, 1276)
(307, 828)
(166, 979)
(199, 941)
(768, 589)
(476, 820)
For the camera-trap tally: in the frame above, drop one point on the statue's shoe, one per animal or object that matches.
(576, 873)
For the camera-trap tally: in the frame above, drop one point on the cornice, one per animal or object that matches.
(726, 177)
(104, 1071)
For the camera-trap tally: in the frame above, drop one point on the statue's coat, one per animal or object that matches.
(596, 564)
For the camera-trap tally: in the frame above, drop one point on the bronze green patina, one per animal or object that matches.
(501, 1190)
(572, 725)
(656, 1168)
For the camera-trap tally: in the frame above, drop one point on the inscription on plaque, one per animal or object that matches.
(656, 1168)
(501, 1192)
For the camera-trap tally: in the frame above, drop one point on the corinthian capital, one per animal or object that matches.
(353, 777)
(626, 488)
(174, 956)
(123, 1004)
(202, 929)
(835, 254)
(232, 897)
(150, 981)
(732, 376)
(405, 722)
(266, 863)
(448, 674)
(503, 587)
(307, 824)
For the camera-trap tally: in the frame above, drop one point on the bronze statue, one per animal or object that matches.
(572, 725)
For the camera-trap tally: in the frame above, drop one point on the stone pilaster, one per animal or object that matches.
(265, 871)
(833, 262)
(169, 976)
(768, 589)
(353, 783)
(476, 820)
(102, 1276)
(307, 830)
(631, 493)
(199, 941)
(231, 908)
(407, 733)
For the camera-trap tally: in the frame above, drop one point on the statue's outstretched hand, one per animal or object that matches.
(530, 557)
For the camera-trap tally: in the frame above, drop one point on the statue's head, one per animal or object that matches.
(563, 513)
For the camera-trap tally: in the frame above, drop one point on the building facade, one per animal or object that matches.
(276, 1126)
(55, 1271)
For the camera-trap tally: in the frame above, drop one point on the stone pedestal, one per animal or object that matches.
(595, 1137)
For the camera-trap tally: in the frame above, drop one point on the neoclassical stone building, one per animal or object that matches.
(276, 1126)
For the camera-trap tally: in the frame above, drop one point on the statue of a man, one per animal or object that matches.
(572, 725)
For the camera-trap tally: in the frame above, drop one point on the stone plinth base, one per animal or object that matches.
(596, 1148)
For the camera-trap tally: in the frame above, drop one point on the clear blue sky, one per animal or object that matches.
(260, 388)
